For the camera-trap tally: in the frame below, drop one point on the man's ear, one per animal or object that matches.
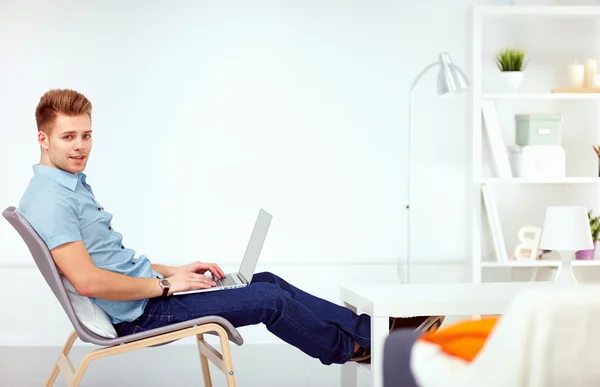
(43, 140)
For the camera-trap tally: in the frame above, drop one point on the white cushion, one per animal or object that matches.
(89, 314)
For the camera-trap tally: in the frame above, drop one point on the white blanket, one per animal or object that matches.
(547, 338)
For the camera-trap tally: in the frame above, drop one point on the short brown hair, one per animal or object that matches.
(60, 101)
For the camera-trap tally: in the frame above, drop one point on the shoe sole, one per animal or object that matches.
(432, 323)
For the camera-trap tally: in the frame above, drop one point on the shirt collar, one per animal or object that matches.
(65, 178)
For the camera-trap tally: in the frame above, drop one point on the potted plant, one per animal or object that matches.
(595, 229)
(511, 63)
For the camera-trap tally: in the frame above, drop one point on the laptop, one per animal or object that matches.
(244, 276)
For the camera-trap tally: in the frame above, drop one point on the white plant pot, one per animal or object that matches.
(510, 81)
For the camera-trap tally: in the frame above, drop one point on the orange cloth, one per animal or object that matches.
(464, 339)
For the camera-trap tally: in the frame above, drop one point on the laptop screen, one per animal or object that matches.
(257, 239)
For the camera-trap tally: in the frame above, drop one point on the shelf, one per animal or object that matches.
(521, 180)
(541, 96)
(542, 263)
(552, 10)
(522, 264)
(582, 263)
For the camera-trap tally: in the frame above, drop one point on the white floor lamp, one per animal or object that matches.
(451, 80)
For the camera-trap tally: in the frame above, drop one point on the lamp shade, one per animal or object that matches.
(450, 78)
(566, 228)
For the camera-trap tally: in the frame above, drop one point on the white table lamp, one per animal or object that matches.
(566, 230)
(451, 80)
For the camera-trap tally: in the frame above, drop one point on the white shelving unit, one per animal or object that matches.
(541, 11)
(479, 18)
(521, 180)
(539, 263)
(541, 96)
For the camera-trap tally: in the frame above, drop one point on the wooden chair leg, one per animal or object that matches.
(204, 361)
(63, 354)
(53, 376)
(226, 350)
(222, 360)
(78, 376)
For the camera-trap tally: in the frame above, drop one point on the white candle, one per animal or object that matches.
(591, 67)
(576, 75)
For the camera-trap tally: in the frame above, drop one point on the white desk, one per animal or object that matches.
(398, 300)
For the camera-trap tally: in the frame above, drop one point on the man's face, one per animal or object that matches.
(69, 144)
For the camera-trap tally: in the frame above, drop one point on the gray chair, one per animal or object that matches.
(112, 346)
(397, 351)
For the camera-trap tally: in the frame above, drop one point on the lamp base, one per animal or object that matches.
(565, 274)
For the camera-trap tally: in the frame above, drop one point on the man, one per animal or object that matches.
(136, 294)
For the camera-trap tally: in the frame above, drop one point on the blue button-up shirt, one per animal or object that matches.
(62, 208)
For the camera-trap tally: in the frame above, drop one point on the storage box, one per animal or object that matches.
(538, 161)
(538, 129)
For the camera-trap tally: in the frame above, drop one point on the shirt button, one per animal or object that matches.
(99, 208)
(109, 227)
(122, 246)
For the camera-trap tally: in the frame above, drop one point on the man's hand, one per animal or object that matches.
(201, 268)
(186, 280)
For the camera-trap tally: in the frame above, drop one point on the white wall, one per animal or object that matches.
(206, 111)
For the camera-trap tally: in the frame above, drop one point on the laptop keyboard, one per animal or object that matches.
(227, 281)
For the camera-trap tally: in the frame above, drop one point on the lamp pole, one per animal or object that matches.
(451, 79)
(411, 102)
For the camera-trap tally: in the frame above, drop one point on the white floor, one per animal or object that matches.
(172, 365)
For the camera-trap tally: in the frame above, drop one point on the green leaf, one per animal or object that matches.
(510, 59)
(594, 225)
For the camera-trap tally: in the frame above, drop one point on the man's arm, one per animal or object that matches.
(165, 271)
(58, 226)
(75, 263)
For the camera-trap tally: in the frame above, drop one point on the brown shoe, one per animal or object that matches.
(419, 323)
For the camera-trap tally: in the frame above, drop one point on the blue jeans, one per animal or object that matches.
(319, 328)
